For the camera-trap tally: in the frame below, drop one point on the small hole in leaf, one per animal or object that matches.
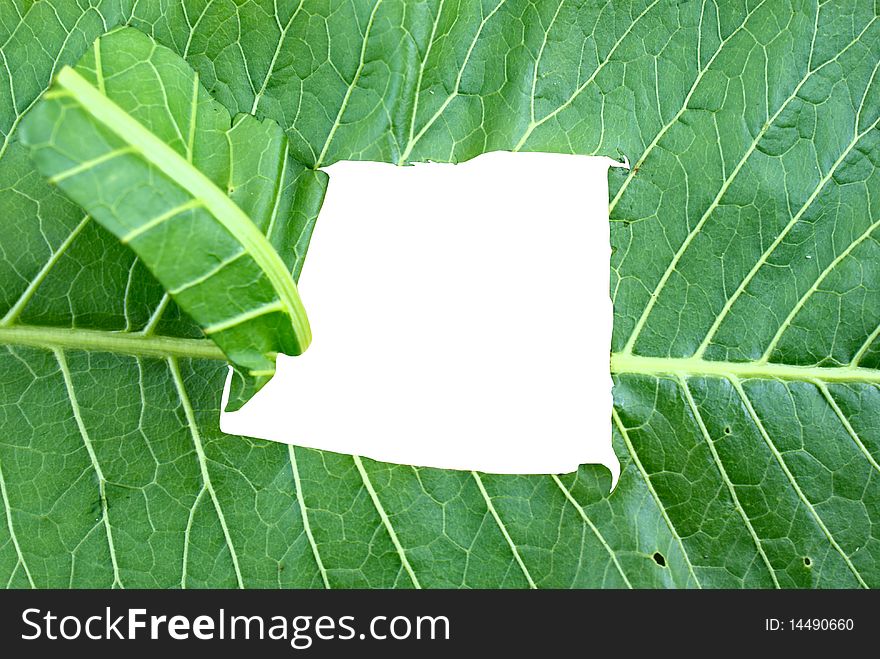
(727, 430)
(659, 559)
(807, 561)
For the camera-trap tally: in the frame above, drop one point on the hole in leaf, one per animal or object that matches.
(807, 561)
(503, 396)
(659, 559)
(727, 430)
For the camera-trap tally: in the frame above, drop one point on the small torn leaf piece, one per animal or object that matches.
(213, 206)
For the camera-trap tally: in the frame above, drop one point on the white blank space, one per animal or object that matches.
(460, 316)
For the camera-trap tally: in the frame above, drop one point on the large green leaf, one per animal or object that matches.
(745, 284)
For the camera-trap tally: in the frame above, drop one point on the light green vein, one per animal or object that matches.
(205, 276)
(186, 537)
(271, 68)
(456, 89)
(250, 314)
(304, 514)
(99, 68)
(348, 92)
(56, 57)
(149, 225)
(194, 26)
(90, 449)
(589, 522)
(660, 506)
(368, 484)
(682, 109)
(727, 482)
(786, 324)
(203, 463)
(420, 77)
(279, 189)
(16, 309)
(845, 422)
(193, 114)
(539, 57)
(601, 65)
(156, 316)
(90, 164)
(491, 507)
(779, 459)
(860, 353)
(7, 507)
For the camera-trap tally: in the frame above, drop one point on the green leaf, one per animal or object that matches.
(203, 200)
(744, 278)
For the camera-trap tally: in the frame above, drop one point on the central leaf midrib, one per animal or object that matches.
(127, 343)
(625, 363)
(137, 344)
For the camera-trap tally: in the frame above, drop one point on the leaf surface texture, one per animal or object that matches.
(744, 278)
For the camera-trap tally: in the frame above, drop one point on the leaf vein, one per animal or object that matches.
(386, 522)
(727, 482)
(189, 415)
(779, 459)
(662, 508)
(96, 466)
(504, 532)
